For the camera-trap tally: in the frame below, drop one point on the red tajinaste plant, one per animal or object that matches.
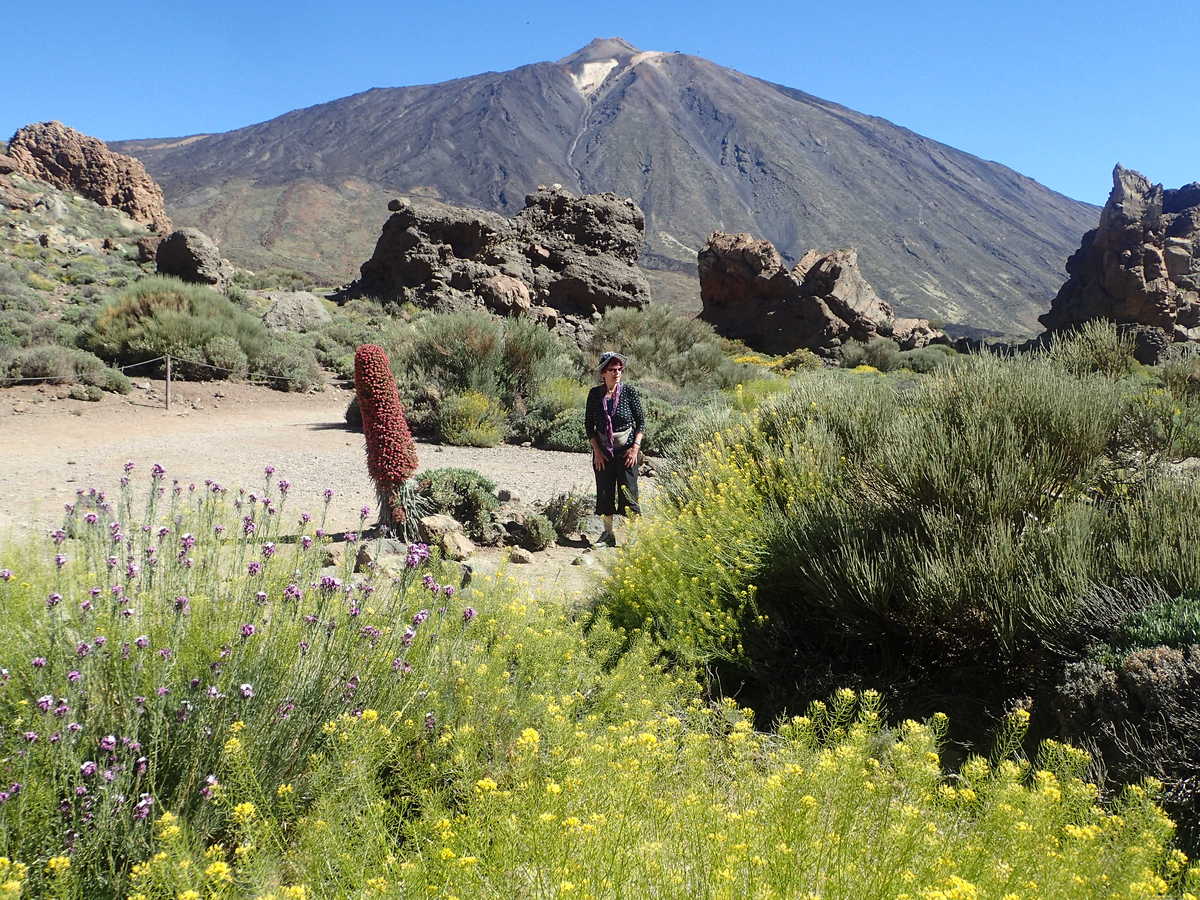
(391, 453)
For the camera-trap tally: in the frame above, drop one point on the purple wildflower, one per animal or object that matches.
(38, 662)
(364, 512)
(269, 471)
(6, 575)
(74, 675)
(141, 809)
(108, 742)
(449, 590)
(43, 702)
(248, 630)
(247, 691)
(254, 568)
(327, 494)
(306, 542)
(129, 467)
(53, 600)
(284, 486)
(468, 614)
(268, 550)
(82, 649)
(60, 560)
(88, 769)
(30, 736)
(182, 604)
(157, 471)
(420, 617)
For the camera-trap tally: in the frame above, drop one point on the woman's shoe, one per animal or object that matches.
(607, 539)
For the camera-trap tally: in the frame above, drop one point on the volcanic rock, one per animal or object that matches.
(69, 160)
(821, 302)
(294, 310)
(1141, 266)
(560, 256)
(192, 255)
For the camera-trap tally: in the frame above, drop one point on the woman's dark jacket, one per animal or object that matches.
(628, 413)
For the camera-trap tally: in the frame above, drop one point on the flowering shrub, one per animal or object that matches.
(391, 453)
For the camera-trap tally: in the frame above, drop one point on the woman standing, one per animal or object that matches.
(615, 424)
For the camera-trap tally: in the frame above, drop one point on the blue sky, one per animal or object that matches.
(1059, 90)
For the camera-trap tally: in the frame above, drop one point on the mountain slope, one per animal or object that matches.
(700, 147)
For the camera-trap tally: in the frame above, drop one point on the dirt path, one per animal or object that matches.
(51, 446)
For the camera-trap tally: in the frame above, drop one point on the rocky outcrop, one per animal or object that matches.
(751, 295)
(1140, 266)
(562, 257)
(192, 255)
(71, 161)
(293, 310)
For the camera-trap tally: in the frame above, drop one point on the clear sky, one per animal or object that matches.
(1059, 90)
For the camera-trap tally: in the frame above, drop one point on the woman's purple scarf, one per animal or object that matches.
(609, 407)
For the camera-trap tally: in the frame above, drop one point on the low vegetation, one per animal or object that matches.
(196, 708)
(985, 527)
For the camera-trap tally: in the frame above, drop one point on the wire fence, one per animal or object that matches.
(250, 377)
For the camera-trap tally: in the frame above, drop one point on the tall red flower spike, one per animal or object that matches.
(391, 453)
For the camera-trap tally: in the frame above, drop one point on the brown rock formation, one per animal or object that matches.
(562, 257)
(192, 255)
(821, 302)
(61, 156)
(1141, 266)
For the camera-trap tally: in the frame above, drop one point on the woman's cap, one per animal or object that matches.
(608, 356)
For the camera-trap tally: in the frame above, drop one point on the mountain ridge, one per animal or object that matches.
(700, 147)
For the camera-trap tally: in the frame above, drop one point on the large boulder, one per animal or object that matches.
(1140, 266)
(294, 310)
(192, 255)
(561, 256)
(71, 161)
(748, 293)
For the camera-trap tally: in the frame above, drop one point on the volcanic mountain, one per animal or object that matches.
(700, 147)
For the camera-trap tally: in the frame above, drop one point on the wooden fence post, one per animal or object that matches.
(168, 381)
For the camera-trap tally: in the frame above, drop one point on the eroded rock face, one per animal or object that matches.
(560, 257)
(749, 294)
(71, 161)
(192, 255)
(1141, 266)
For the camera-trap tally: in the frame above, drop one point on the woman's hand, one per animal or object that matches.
(631, 456)
(598, 459)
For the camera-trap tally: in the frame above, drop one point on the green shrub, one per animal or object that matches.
(287, 365)
(926, 359)
(537, 533)
(565, 433)
(159, 315)
(53, 364)
(664, 345)
(1094, 347)
(879, 353)
(471, 419)
(228, 356)
(460, 351)
(462, 493)
(746, 396)
(87, 392)
(800, 360)
(567, 512)
(1182, 376)
(532, 356)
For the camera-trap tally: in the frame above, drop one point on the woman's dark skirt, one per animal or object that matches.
(616, 488)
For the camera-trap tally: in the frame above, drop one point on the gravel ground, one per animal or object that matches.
(50, 446)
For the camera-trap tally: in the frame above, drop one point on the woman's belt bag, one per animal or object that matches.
(623, 439)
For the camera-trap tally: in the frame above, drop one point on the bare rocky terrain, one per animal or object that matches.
(51, 446)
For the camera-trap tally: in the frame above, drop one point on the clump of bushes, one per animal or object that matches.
(979, 520)
(667, 347)
(884, 355)
(54, 364)
(536, 533)
(201, 329)
(463, 494)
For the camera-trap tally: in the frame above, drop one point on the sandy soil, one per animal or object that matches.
(51, 446)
